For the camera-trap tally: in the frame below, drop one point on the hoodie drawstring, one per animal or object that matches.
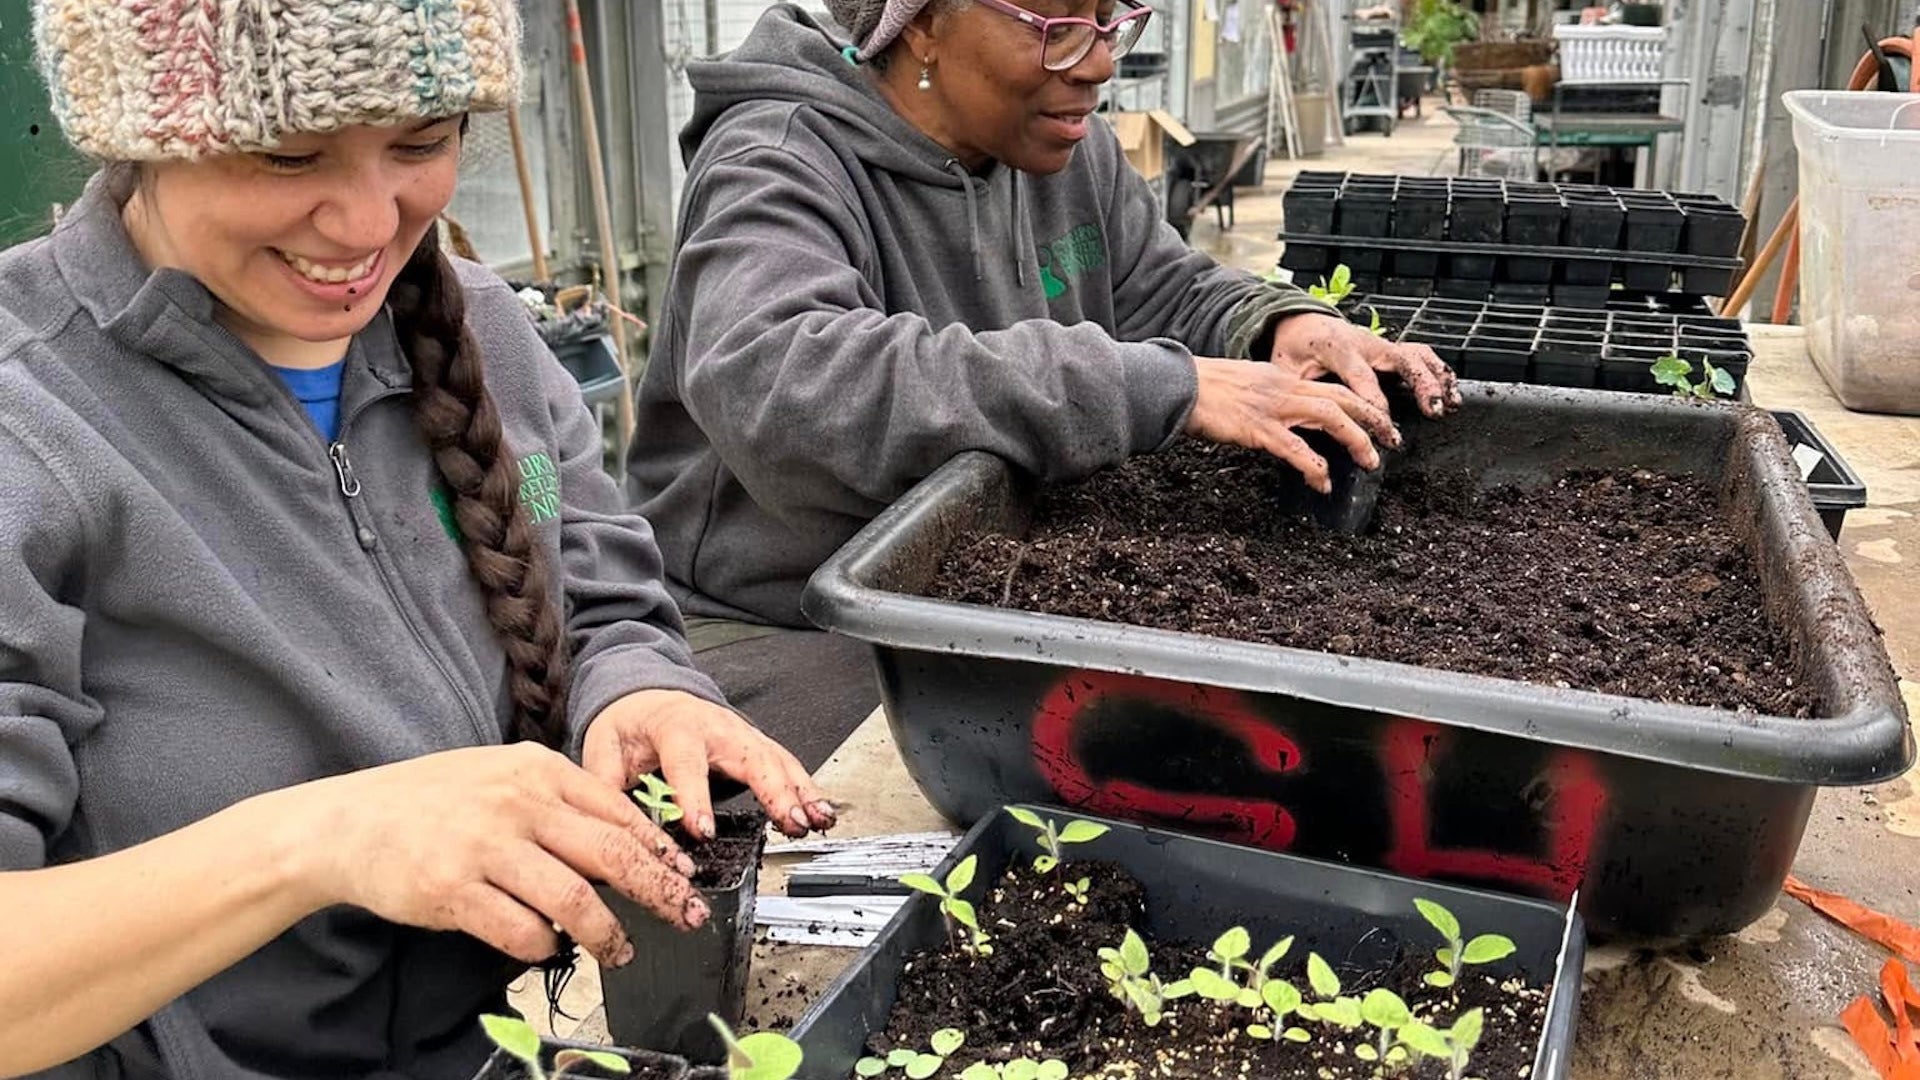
(973, 216)
(1022, 250)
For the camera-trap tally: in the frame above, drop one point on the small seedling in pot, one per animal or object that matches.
(1374, 326)
(1230, 952)
(762, 1055)
(1078, 890)
(1129, 973)
(1484, 949)
(1053, 837)
(655, 796)
(956, 910)
(918, 1066)
(519, 1040)
(1677, 373)
(1334, 290)
(1283, 1001)
(1018, 1069)
(1384, 1010)
(1332, 1008)
(1453, 1046)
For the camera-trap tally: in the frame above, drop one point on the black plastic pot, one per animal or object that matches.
(1407, 286)
(1309, 209)
(1365, 212)
(1513, 292)
(1592, 297)
(1476, 215)
(1712, 230)
(1567, 361)
(1833, 484)
(663, 997)
(1456, 288)
(642, 1064)
(1195, 888)
(1673, 821)
(1418, 215)
(1497, 359)
(1630, 368)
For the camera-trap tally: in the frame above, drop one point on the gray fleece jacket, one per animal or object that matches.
(196, 611)
(849, 308)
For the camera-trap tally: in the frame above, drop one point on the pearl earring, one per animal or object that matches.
(926, 79)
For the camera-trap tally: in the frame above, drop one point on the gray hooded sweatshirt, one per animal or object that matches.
(849, 308)
(197, 611)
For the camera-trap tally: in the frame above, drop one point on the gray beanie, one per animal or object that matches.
(874, 24)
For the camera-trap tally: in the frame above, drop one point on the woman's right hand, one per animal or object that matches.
(503, 842)
(1257, 405)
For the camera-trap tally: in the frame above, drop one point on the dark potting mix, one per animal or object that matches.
(1624, 582)
(1047, 991)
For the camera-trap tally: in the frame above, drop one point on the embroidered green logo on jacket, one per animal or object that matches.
(1070, 256)
(539, 493)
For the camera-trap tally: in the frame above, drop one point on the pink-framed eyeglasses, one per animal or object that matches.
(1066, 42)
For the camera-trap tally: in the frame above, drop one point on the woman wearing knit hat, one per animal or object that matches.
(909, 237)
(301, 523)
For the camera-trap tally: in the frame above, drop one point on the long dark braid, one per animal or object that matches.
(462, 428)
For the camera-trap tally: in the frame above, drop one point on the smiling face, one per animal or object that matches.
(990, 97)
(300, 245)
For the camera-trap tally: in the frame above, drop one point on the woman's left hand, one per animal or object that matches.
(684, 737)
(1310, 345)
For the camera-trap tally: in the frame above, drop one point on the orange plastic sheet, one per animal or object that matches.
(1894, 1051)
(1897, 936)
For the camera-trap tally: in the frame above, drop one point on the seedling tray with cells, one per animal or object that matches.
(1145, 952)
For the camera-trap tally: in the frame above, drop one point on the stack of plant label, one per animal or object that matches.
(1569, 245)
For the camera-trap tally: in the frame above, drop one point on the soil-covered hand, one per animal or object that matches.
(1256, 405)
(502, 842)
(684, 737)
(1310, 345)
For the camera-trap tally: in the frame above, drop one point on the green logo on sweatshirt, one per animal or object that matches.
(1074, 254)
(539, 488)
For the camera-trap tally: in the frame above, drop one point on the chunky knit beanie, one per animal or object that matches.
(874, 24)
(145, 80)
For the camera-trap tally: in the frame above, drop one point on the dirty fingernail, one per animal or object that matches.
(705, 825)
(798, 816)
(696, 912)
(622, 955)
(824, 810)
(684, 865)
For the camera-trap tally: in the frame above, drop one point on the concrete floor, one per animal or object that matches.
(1757, 1006)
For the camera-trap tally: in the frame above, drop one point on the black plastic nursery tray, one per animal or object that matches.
(1671, 820)
(1361, 920)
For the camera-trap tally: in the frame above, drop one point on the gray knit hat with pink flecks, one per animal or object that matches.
(874, 24)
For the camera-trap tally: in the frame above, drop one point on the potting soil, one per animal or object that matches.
(1625, 582)
(1041, 994)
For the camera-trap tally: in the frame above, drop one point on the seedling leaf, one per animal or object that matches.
(901, 1057)
(1260, 1031)
(980, 1070)
(1466, 1030)
(513, 1035)
(1133, 954)
(1295, 1034)
(947, 1040)
(1440, 917)
(1079, 832)
(1426, 1040)
(1276, 954)
(961, 876)
(613, 1063)
(1321, 977)
(1045, 863)
(1720, 379)
(1673, 371)
(1211, 985)
(1020, 1069)
(1384, 1009)
(869, 1067)
(1366, 1052)
(923, 883)
(1445, 956)
(1487, 948)
(1440, 979)
(1281, 997)
(1247, 998)
(962, 912)
(1052, 1069)
(1344, 1012)
(924, 1065)
(774, 1056)
(1026, 817)
(1180, 989)
(1233, 944)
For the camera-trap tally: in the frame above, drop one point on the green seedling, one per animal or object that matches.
(1053, 838)
(1017, 1069)
(1078, 890)
(1453, 1046)
(656, 798)
(1484, 949)
(1678, 374)
(518, 1039)
(956, 910)
(1230, 951)
(762, 1055)
(1335, 289)
(1388, 1015)
(918, 1066)
(1332, 1008)
(1374, 325)
(1130, 977)
(1280, 997)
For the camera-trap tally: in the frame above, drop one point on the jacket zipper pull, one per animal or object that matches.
(343, 468)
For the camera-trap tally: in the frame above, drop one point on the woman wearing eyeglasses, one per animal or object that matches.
(922, 241)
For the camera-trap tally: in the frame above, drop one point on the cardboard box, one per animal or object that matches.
(1142, 138)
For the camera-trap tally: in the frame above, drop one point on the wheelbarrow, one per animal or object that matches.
(1205, 174)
